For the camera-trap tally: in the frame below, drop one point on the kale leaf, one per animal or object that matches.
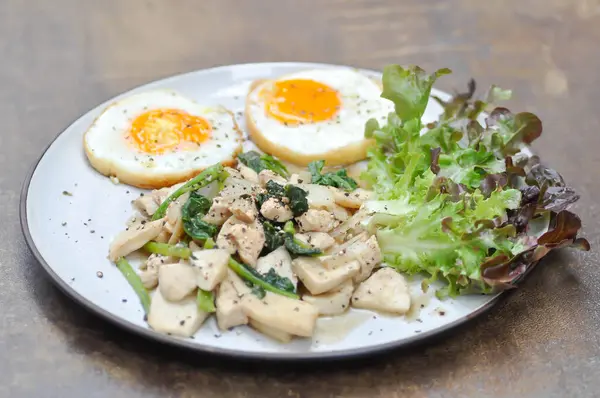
(192, 212)
(338, 178)
(258, 163)
(298, 199)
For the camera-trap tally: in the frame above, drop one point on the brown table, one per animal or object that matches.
(60, 58)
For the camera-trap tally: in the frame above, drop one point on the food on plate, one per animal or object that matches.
(316, 114)
(159, 138)
(460, 200)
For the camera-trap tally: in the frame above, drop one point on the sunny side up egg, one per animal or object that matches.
(315, 114)
(159, 138)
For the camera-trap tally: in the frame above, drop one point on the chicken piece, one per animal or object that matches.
(176, 281)
(340, 213)
(229, 306)
(233, 172)
(219, 211)
(210, 267)
(351, 200)
(353, 225)
(319, 196)
(362, 237)
(181, 319)
(247, 239)
(267, 175)
(247, 173)
(273, 209)
(318, 279)
(147, 204)
(149, 275)
(315, 221)
(235, 187)
(271, 332)
(386, 290)
(244, 208)
(367, 253)
(317, 240)
(132, 239)
(334, 302)
(281, 261)
(282, 313)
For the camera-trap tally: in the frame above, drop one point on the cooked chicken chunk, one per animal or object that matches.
(229, 306)
(210, 267)
(182, 319)
(317, 240)
(267, 175)
(147, 204)
(367, 253)
(281, 261)
(219, 211)
(319, 196)
(351, 200)
(386, 290)
(282, 313)
(176, 281)
(233, 172)
(132, 239)
(149, 275)
(244, 208)
(247, 239)
(315, 221)
(247, 173)
(271, 332)
(340, 213)
(318, 279)
(273, 209)
(334, 302)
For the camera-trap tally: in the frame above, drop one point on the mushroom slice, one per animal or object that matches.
(247, 239)
(282, 313)
(319, 196)
(317, 240)
(176, 281)
(367, 253)
(350, 200)
(271, 332)
(279, 260)
(334, 302)
(182, 319)
(229, 306)
(318, 279)
(210, 267)
(267, 175)
(244, 208)
(316, 221)
(247, 173)
(132, 239)
(219, 211)
(386, 291)
(275, 210)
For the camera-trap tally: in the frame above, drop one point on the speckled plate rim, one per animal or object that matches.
(195, 346)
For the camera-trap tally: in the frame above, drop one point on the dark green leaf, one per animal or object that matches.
(280, 282)
(273, 238)
(258, 163)
(338, 178)
(192, 213)
(297, 248)
(297, 199)
(275, 189)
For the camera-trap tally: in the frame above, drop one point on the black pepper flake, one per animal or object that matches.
(124, 300)
(64, 224)
(141, 194)
(92, 231)
(145, 318)
(67, 193)
(296, 309)
(370, 333)
(99, 274)
(72, 279)
(422, 305)
(127, 192)
(217, 336)
(182, 322)
(417, 331)
(442, 313)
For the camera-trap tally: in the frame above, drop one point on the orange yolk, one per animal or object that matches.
(160, 130)
(301, 101)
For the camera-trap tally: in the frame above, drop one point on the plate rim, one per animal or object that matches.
(197, 346)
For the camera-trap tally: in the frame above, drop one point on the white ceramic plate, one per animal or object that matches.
(69, 235)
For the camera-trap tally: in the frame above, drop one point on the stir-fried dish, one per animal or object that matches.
(457, 200)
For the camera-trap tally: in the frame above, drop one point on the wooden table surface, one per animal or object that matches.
(60, 58)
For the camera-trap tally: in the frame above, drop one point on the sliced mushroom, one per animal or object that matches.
(281, 261)
(247, 173)
(318, 279)
(386, 290)
(146, 204)
(183, 318)
(316, 221)
(317, 240)
(353, 225)
(247, 239)
(267, 175)
(235, 187)
(273, 209)
(334, 302)
(233, 172)
(229, 306)
(176, 281)
(282, 313)
(271, 332)
(351, 200)
(319, 196)
(132, 239)
(237, 282)
(367, 253)
(210, 267)
(340, 213)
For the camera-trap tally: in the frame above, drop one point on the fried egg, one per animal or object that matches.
(159, 138)
(315, 114)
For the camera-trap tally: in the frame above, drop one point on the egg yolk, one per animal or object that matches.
(160, 130)
(301, 101)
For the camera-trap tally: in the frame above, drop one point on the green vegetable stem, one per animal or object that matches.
(168, 250)
(279, 285)
(135, 282)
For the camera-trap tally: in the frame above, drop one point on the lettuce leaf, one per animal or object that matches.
(458, 199)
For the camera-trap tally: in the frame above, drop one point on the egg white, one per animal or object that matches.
(111, 154)
(339, 140)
